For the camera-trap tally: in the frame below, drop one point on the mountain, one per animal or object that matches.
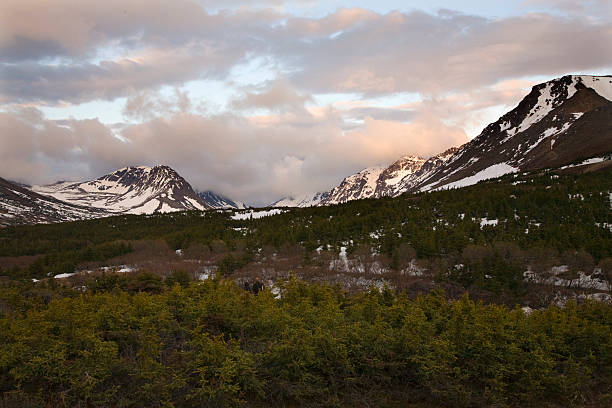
(376, 182)
(389, 181)
(306, 200)
(557, 123)
(20, 205)
(355, 187)
(219, 201)
(131, 190)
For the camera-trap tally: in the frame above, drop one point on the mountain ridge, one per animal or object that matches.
(556, 123)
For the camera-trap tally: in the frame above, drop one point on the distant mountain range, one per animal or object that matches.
(131, 190)
(559, 122)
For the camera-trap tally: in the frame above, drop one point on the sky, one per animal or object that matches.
(264, 99)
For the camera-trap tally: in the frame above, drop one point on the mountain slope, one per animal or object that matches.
(355, 187)
(219, 201)
(305, 200)
(132, 190)
(558, 122)
(19, 205)
(390, 180)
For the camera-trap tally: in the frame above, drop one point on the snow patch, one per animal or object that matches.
(256, 214)
(496, 170)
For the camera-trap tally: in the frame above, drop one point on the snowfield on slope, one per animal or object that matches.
(496, 170)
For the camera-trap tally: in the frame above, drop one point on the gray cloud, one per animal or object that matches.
(389, 114)
(351, 50)
(418, 52)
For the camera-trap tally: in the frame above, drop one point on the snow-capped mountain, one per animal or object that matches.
(371, 182)
(375, 181)
(131, 190)
(429, 167)
(306, 200)
(219, 201)
(557, 123)
(19, 205)
(355, 187)
(390, 180)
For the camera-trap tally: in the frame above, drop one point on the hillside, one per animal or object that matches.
(20, 205)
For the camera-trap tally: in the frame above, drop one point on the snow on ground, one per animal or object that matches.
(207, 272)
(601, 85)
(496, 170)
(118, 268)
(592, 160)
(584, 281)
(195, 204)
(413, 269)
(148, 208)
(604, 225)
(553, 131)
(64, 275)
(247, 215)
(486, 222)
(542, 108)
(305, 200)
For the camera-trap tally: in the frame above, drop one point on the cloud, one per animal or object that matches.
(393, 114)
(36, 150)
(257, 159)
(432, 54)
(276, 95)
(592, 8)
(146, 70)
(146, 105)
(35, 29)
(82, 51)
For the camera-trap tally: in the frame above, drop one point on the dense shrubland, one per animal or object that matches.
(135, 344)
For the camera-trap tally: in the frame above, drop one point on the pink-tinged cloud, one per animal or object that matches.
(256, 160)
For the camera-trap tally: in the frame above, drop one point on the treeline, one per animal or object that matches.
(212, 344)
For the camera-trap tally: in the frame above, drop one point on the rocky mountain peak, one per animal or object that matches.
(134, 190)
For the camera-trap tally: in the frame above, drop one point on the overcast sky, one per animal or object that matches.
(262, 99)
